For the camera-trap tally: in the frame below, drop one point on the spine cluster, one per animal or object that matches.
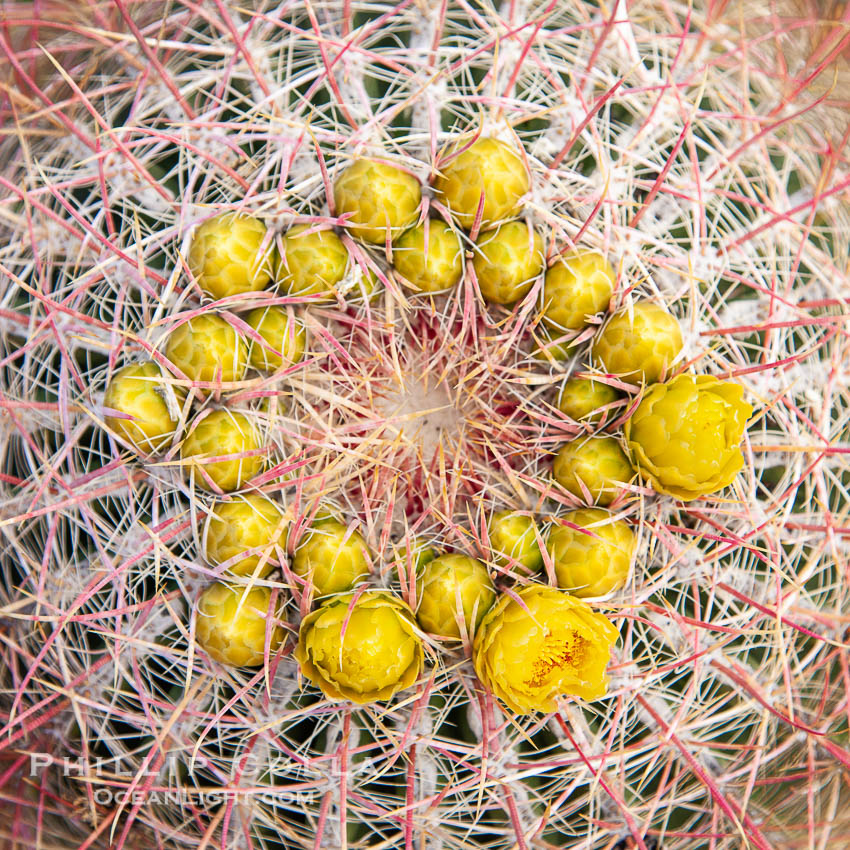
(695, 441)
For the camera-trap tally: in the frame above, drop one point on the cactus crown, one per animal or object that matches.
(703, 168)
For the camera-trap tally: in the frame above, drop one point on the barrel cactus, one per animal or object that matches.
(698, 154)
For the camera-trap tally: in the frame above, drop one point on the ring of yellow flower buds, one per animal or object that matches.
(594, 558)
(380, 198)
(599, 464)
(207, 349)
(222, 434)
(332, 556)
(488, 167)
(231, 254)
(638, 344)
(232, 624)
(547, 644)
(579, 284)
(139, 392)
(685, 435)
(438, 269)
(506, 261)
(249, 522)
(311, 262)
(451, 590)
(360, 648)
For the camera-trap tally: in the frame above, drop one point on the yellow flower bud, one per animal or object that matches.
(232, 624)
(368, 287)
(581, 398)
(275, 405)
(435, 271)
(453, 588)
(250, 522)
(222, 434)
(333, 557)
(417, 554)
(228, 255)
(380, 198)
(638, 347)
(578, 285)
(138, 391)
(513, 541)
(363, 652)
(506, 261)
(598, 463)
(490, 168)
(208, 350)
(546, 349)
(311, 263)
(685, 435)
(283, 333)
(595, 559)
(552, 645)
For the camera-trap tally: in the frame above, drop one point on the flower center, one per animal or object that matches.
(557, 653)
(374, 654)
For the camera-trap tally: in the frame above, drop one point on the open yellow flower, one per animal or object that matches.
(363, 651)
(684, 436)
(551, 645)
